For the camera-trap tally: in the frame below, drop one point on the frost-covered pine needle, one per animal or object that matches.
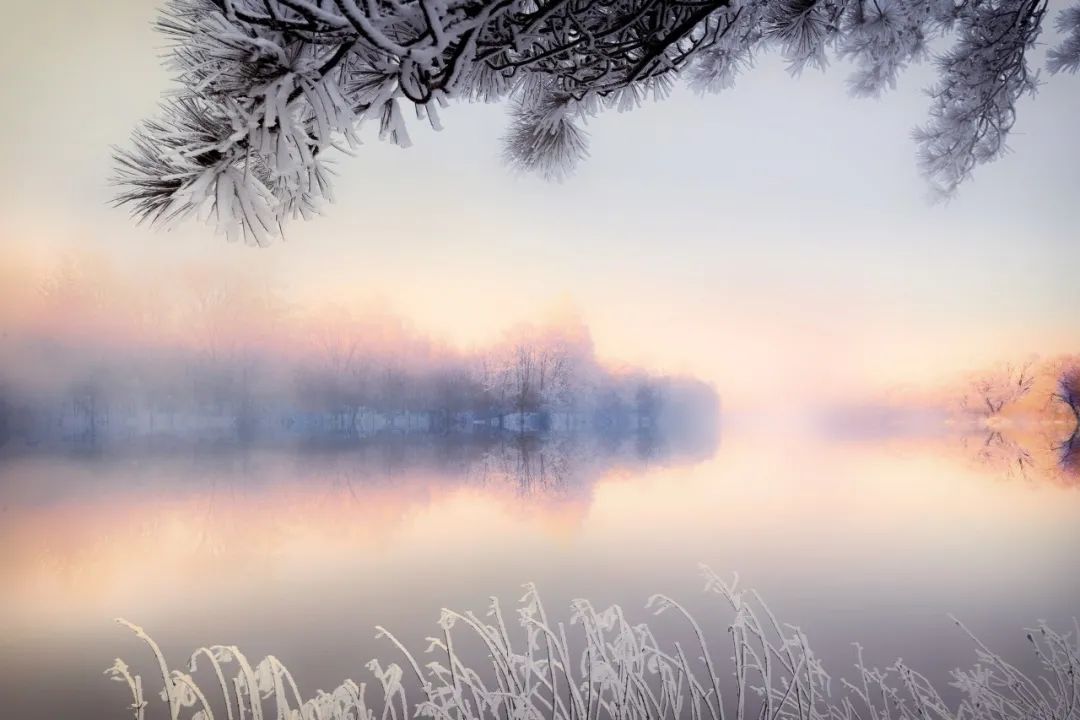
(267, 89)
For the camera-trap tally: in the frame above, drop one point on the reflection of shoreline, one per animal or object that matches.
(520, 458)
(1029, 450)
(102, 521)
(171, 546)
(1030, 446)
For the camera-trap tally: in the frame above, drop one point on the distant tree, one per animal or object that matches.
(6, 411)
(990, 393)
(524, 379)
(1069, 456)
(337, 381)
(492, 375)
(89, 405)
(267, 87)
(647, 404)
(537, 367)
(454, 391)
(611, 413)
(390, 394)
(554, 374)
(1068, 389)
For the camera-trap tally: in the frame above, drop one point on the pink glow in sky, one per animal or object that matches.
(774, 240)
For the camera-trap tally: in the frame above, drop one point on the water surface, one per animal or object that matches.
(301, 554)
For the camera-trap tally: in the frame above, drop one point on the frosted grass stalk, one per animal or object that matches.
(625, 672)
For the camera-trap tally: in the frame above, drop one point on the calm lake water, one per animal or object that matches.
(301, 554)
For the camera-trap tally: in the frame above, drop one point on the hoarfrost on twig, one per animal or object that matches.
(268, 88)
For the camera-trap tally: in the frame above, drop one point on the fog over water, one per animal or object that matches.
(736, 336)
(219, 464)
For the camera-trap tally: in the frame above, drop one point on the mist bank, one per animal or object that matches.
(680, 425)
(537, 385)
(96, 361)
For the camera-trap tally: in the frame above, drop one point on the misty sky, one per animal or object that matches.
(774, 239)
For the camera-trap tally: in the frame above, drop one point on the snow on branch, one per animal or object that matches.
(267, 89)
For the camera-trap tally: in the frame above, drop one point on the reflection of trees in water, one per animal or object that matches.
(1030, 419)
(1004, 454)
(1068, 390)
(533, 464)
(1039, 456)
(234, 505)
(1068, 394)
(1069, 455)
(231, 472)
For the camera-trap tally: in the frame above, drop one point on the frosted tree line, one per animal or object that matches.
(1032, 387)
(268, 89)
(1024, 419)
(240, 366)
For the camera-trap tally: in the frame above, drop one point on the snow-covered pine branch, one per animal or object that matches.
(267, 88)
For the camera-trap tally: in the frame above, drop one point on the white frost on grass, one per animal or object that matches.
(762, 669)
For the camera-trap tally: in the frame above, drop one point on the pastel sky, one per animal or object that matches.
(774, 239)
